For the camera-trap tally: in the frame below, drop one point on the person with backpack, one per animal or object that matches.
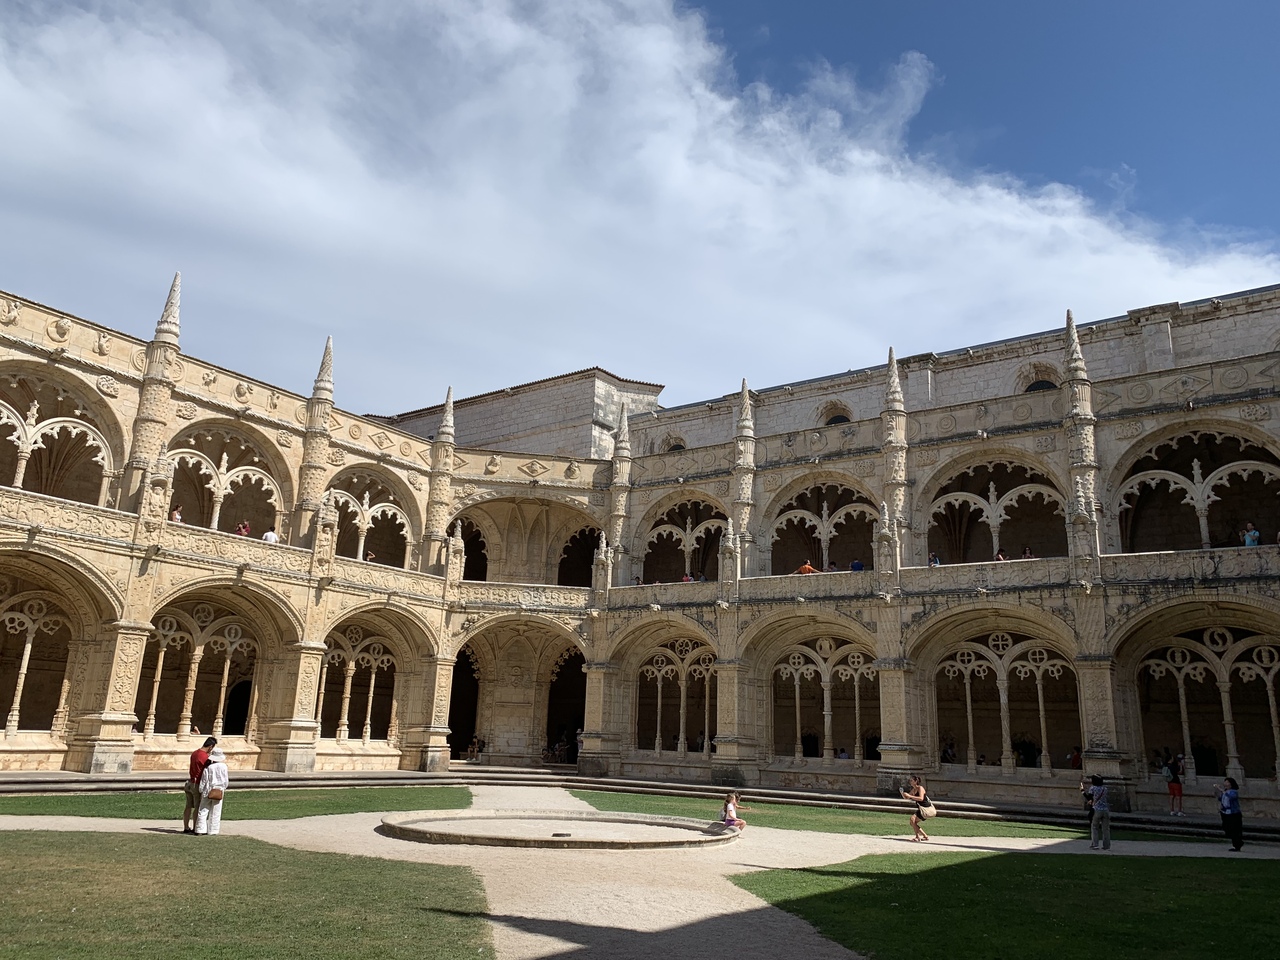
(213, 787)
(1100, 822)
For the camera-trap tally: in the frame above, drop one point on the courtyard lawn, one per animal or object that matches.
(831, 820)
(90, 895)
(244, 803)
(1033, 907)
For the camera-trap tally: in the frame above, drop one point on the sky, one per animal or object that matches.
(486, 192)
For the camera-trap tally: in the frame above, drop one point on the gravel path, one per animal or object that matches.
(628, 905)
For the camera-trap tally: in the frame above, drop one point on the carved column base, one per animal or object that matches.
(425, 749)
(289, 746)
(600, 756)
(898, 761)
(101, 743)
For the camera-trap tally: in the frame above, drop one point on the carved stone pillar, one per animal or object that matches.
(100, 729)
(744, 477)
(288, 706)
(429, 713)
(315, 451)
(733, 763)
(151, 423)
(440, 494)
(901, 728)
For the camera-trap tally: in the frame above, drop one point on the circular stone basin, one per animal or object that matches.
(556, 829)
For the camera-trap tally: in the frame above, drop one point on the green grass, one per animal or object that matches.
(244, 804)
(88, 895)
(1033, 907)
(830, 820)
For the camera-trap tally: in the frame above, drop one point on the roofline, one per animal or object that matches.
(397, 417)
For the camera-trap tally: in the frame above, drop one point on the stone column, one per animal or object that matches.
(440, 494)
(744, 476)
(620, 497)
(424, 716)
(1102, 754)
(901, 735)
(288, 705)
(733, 763)
(99, 736)
(315, 452)
(600, 755)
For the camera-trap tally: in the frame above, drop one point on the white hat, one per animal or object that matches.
(217, 756)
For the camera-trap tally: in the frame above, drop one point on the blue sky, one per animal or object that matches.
(485, 192)
(1166, 109)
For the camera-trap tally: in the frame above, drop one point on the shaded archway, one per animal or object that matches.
(464, 703)
(829, 525)
(675, 706)
(997, 506)
(684, 542)
(373, 522)
(224, 476)
(566, 705)
(577, 559)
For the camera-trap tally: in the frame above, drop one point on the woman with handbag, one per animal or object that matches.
(924, 807)
(213, 787)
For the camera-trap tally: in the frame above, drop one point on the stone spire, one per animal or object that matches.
(445, 433)
(746, 420)
(620, 494)
(1075, 357)
(893, 388)
(168, 328)
(324, 379)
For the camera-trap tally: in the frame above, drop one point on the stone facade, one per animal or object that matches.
(629, 572)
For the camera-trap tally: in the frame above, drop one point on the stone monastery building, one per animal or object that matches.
(569, 555)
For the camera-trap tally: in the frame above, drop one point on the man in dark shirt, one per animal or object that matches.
(199, 760)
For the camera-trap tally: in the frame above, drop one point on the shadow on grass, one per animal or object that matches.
(1033, 907)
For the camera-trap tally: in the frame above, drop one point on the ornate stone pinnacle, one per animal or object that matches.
(1075, 357)
(324, 379)
(446, 419)
(169, 326)
(893, 388)
(622, 436)
(746, 420)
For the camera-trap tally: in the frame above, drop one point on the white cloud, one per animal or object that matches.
(487, 192)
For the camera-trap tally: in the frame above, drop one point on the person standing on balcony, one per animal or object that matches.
(271, 536)
(806, 567)
(1250, 535)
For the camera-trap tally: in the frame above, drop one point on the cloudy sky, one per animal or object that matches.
(485, 192)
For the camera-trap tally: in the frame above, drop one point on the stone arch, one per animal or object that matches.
(651, 630)
(255, 601)
(1194, 486)
(833, 412)
(655, 510)
(381, 519)
(1036, 372)
(368, 651)
(58, 436)
(684, 542)
(823, 690)
(989, 502)
(546, 621)
(411, 636)
(1000, 686)
(576, 563)
(792, 488)
(1201, 678)
(36, 634)
(828, 525)
(102, 413)
(228, 471)
(93, 599)
(525, 535)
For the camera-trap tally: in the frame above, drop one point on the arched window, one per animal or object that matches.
(1036, 385)
(684, 542)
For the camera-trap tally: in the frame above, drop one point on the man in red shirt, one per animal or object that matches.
(199, 760)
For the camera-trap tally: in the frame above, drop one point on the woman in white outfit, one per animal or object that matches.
(213, 786)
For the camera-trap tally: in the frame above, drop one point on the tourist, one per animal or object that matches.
(924, 807)
(934, 560)
(176, 516)
(806, 567)
(242, 528)
(843, 754)
(1228, 795)
(473, 750)
(1027, 554)
(1085, 788)
(687, 578)
(271, 536)
(1100, 822)
(1000, 555)
(832, 568)
(369, 557)
(1174, 771)
(856, 566)
(982, 759)
(1250, 535)
(199, 760)
(729, 813)
(213, 786)
(636, 582)
(1075, 761)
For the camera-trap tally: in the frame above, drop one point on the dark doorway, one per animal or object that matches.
(235, 717)
(464, 700)
(567, 705)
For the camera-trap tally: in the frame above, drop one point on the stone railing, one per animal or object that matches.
(1221, 564)
(523, 595)
(996, 575)
(702, 462)
(664, 593)
(380, 576)
(20, 508)
(811, 586)
(214, 544)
